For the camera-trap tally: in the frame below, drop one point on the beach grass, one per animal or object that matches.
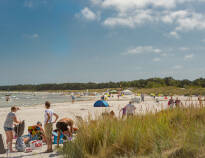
(171, 133)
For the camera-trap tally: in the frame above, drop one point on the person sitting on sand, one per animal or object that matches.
(49, 125)
(36, 131)
(62, 127)
(8, 126)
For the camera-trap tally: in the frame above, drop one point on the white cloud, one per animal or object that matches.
(142, 49)
(132, 13)
(184, 48)
(28, 3)
(32, 36)
(177, 67)
(174, 34)
(156, 59)
(188, 57)
(88, 14)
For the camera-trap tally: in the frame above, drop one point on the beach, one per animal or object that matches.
(32, 114)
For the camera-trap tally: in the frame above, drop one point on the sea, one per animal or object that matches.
(34, 98)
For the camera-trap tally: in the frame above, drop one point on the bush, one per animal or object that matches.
(176, 133)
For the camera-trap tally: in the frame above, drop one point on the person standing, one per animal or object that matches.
(142, 97)
(171, 102)
(130, 109)
(48, 125)
(73, 99)
(8, 126)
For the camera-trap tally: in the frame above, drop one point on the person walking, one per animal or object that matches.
(48, 125)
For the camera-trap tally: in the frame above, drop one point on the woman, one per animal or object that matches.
(8, 126)
(49, 125)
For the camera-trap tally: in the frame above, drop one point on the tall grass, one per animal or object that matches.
(174, 133)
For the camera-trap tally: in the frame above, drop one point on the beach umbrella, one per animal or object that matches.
(101, 103)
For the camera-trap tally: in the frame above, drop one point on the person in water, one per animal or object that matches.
(8, 126)
(64, 126)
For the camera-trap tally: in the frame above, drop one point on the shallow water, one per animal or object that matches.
(29, 98)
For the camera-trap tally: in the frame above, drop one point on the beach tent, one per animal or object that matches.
(101, 103)
(127, 92)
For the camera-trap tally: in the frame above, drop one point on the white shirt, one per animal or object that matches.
(50, 112)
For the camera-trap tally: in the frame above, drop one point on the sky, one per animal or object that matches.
(58, 41)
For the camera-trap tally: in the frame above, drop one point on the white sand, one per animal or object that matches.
(82, 108)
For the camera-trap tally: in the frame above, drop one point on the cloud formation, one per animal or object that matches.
(88, 14)
(133, 13)
(142, 50)
(188, 57)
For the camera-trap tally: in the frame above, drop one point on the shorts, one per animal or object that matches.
(48, 131)
(8, 129)
(62, 126)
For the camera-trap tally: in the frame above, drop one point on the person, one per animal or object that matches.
(62, 127)
(102, 97)
(73, 98)
(8, 126)
(130, 109)
(177, 102)
(142, 97)
(171, 102)
(200, 100)
(123, 110)
(48, 125)
(36, 131)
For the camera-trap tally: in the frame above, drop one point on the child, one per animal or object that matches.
(49, 126)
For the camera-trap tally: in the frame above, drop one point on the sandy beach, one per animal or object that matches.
(81, 108)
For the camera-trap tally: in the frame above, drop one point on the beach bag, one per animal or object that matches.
(2, 149)
(20, 145)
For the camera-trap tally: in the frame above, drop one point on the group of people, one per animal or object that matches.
(128, 110)
(172, 102)
(64, 126)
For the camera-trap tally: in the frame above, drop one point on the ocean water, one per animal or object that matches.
(29, 98)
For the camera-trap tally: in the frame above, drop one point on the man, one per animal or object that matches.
(65, 126)
(130, 109)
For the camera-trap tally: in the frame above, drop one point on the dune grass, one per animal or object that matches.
(173, 133)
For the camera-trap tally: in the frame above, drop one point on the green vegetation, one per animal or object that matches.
(148, 83)
(174, 133)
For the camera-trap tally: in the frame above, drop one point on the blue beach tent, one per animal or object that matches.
(101, 103)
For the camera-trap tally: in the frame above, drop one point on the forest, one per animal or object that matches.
(142, 83)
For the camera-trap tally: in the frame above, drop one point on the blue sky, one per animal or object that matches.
(47, 41)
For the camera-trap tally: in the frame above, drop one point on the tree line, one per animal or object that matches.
(142, 83)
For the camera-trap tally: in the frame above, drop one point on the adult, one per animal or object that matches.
(64, 126)
(73, 99)
(36, 132)
(48, 125)
(142, 97)
(8, 126)
(177, 102)
(130, 109)
(171, 102)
